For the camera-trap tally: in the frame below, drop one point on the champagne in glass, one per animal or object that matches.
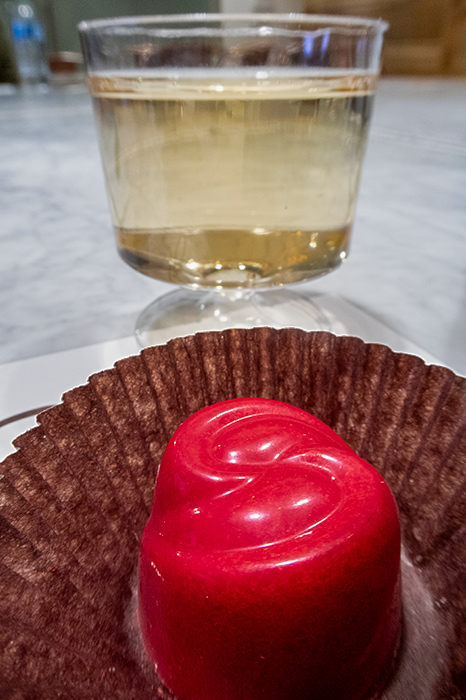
(232, 145)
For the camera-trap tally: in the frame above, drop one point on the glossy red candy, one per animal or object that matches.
(269, 566)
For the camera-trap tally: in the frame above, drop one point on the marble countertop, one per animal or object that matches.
(62, 284)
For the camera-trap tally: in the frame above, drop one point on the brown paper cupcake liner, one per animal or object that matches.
(77, 493)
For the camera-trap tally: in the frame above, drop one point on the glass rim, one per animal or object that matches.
(146, 21)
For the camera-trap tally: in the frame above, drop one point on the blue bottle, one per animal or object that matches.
(29, 44)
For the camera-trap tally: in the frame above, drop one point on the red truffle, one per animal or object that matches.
(269, 567)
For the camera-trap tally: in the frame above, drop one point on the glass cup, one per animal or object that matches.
(232, 148)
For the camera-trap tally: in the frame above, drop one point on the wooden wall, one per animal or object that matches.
(426, 37)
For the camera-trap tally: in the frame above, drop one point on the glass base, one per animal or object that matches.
(185, 312)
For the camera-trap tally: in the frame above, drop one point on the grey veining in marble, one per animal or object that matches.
(62, 284)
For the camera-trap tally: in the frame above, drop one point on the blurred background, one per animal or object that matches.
(426, 37)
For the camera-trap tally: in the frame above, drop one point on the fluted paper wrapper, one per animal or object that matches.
(78, 491)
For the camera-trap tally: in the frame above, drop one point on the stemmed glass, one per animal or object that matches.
(232, 148)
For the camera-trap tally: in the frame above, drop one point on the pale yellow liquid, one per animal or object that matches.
(232, 183)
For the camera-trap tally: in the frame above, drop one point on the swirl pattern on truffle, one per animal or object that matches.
(243, 478)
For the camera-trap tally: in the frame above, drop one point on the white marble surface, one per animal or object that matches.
(62, 284)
